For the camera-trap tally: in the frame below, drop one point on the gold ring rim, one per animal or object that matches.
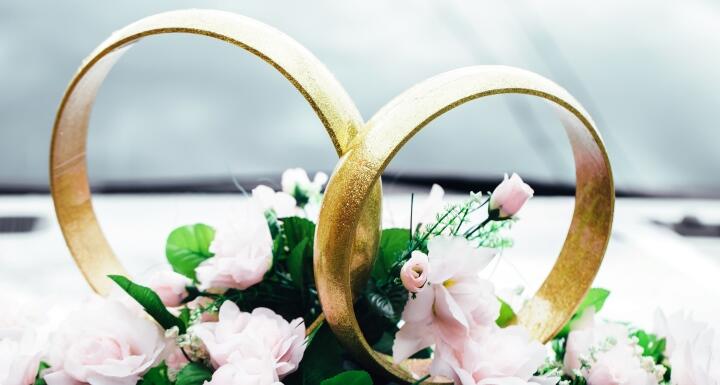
(396, 123)
(68, 165)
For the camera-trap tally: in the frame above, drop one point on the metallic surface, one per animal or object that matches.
(68, 169)
(348, 229)
(359, 170)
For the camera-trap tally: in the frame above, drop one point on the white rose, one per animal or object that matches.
(104, 343)
(19, 357)
(243, 252)
(238, 336)
(281, 204)
(295, 182)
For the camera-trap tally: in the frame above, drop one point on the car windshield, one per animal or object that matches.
(187, 108)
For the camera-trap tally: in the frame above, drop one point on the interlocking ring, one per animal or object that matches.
(349, 224)
(68, 169)
(359, 170)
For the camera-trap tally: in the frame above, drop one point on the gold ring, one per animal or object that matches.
(68, 169)
(359, 170)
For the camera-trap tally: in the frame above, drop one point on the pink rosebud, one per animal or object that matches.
(510, 196)
(170, 286)
(414, 272)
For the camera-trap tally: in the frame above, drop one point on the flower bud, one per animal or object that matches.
(414, 272)
(509, 197)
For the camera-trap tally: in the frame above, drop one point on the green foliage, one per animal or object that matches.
(493, 234)
(156, 376)
(323, 359)
(393, 242)
(150, 301)
(595, 298)
(351, 377)
(297, 260)
(288, 288)
(652, 345)
(188, 246)
(193, 374)
(296, 237)
(506, 314)
(38, 377)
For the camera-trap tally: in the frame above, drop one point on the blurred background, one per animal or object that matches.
(185, 113)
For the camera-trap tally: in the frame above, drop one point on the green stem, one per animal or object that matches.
(478, 227)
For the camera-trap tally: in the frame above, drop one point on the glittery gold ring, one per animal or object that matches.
(360, 168)
(68, 169)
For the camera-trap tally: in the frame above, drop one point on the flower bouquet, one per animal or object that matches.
(302, 288)
(238, 305)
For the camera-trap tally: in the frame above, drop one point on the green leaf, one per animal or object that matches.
(652, 345)
(393, 242)
(296, 262)
(506, 314)
(188, 246)
(297, 229)
(156, 376)
(323, 357)
(193, 374)
(595, 298)
(38, 377)
(150, 301)
(351, 377)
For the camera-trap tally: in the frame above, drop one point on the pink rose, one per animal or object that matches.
(605, 355)
(587, 334)
(19, 357)
(510, 196)
(499, 356)
(414, 272)
(247, 335)
(104, 343)
(258, 369)
(170, 286)
(620, 365)
(243, 252)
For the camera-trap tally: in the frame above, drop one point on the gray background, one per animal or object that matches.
(179, 107)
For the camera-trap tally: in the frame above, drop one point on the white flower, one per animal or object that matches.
(104, 343)
(243, 252)
(254, 370)
(239, 336)
(456, 303)
(677, 329)
(19, 357)
(295, 182)
(692, 348)
(281, 204)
